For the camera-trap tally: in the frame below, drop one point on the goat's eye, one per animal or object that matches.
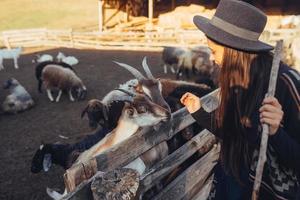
(130, 111)
(142, 109)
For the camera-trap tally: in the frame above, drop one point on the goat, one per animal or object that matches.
(64, 154)
(54, 76)
(197, 60)
(18, 100)
(157, 89)
(10, 54)
(137, 112)
(161, 91)
(39, 69)
(71, 60)
(141, 112)
(170, 57)
(42, 58)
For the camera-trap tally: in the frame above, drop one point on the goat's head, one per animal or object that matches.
(10, 83)
(142, 111)
(97, 113)
(41, 159)
(147, 85)
(80, 91)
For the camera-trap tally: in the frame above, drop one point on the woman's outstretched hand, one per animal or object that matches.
(271, 113)
(191, 102)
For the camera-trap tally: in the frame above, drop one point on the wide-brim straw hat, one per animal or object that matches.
(236, 24)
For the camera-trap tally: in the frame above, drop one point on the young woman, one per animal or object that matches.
(245, 63)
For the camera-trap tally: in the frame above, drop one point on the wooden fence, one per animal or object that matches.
(95, 40)
(135, 39)
(187, 185)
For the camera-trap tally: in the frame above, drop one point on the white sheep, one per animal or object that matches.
(10, 54)
(55, 76)
(71, 60)
(18, 100)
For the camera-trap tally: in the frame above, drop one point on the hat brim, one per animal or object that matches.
(228, 39)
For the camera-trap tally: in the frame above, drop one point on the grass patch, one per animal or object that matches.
(54, 14)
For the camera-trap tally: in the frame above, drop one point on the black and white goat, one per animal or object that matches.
(18, 100)
(170, 57)
(55, 76)
(196, 60)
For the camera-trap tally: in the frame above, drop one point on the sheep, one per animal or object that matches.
(10, 54)
(71, 60)
(54, 76)
(39, 68)
(18, 100)
(42, 58)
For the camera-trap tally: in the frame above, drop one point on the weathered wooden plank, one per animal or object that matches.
(204, 191)
(164, 167)
(119, 184)
(139, 143)
(195, 174)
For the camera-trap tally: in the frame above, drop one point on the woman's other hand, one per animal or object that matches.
(191, 102)
(271, 113)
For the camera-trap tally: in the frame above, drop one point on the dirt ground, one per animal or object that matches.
(22, 134)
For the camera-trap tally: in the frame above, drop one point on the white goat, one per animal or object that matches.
(18, 100)
(71, 60)
(10, 54)
(42, 58)
(55, 76)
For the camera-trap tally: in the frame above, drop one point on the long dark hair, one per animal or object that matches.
(243, 80)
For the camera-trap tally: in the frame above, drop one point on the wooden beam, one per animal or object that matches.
(101, 14)
(139, 143)
(160, 170)
(150, 11)
(198, 173)
(173, 5)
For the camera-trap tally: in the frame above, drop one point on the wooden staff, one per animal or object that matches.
(265, 133)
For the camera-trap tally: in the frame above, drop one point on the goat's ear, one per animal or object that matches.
(47, 162)
(105, 112)
(84, 111)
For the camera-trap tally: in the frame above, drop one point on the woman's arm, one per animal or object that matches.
(203, 118)
(286, 139)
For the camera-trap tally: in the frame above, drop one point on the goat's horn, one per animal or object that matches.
(84, 111)
(146, 68)
(134, 71)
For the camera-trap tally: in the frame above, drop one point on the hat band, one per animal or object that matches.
(234, 30)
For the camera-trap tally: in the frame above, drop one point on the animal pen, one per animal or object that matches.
(193, 183)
